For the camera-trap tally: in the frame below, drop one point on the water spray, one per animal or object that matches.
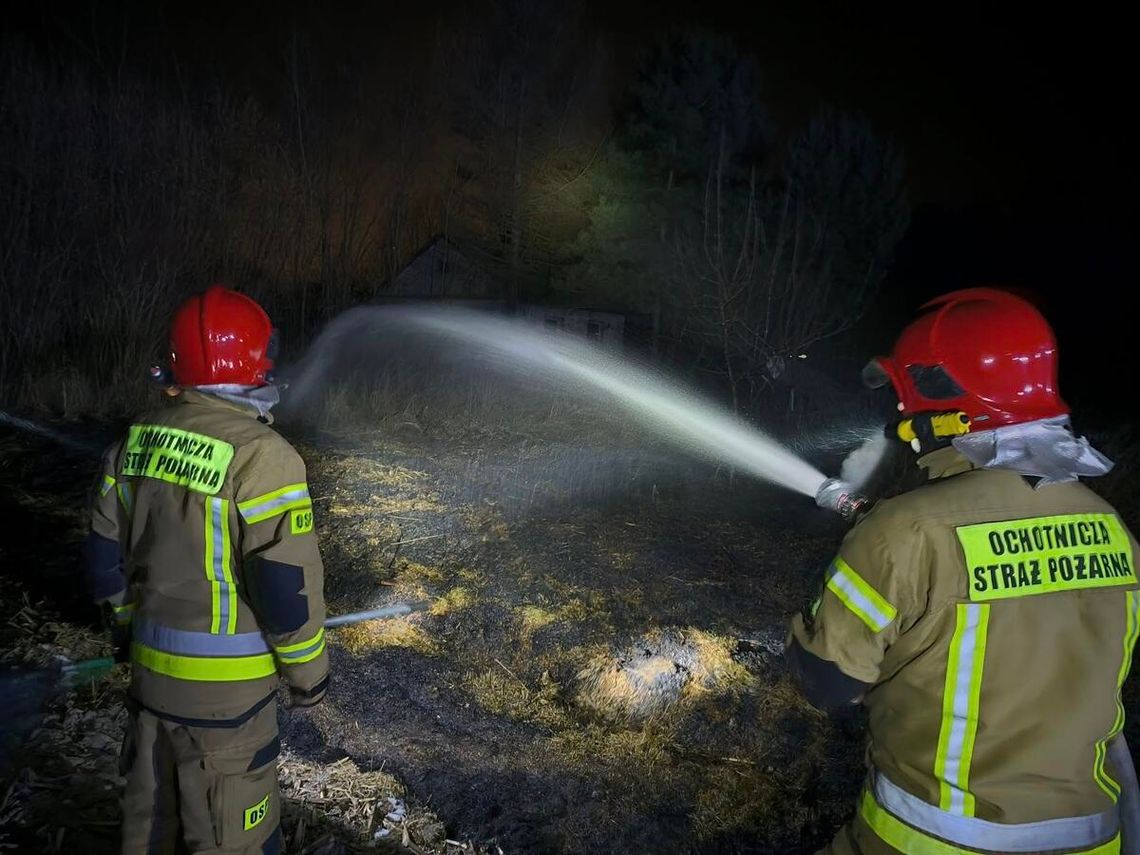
(661, 405)
(44, 432)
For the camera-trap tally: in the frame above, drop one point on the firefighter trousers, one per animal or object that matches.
(857, 838)
(201, 790)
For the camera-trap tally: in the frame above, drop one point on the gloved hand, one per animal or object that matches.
(121, 642)
(308, 698)
(117, 619)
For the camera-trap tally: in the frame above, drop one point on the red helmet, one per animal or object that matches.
(221, 336)
(986, 352)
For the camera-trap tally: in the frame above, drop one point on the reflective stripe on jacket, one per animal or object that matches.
(202, 531)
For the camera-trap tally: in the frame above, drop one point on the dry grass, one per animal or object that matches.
(636, 753)
(396, 632)
(502, 692)
(716, 669)
(663, 673)
(510, 638)
(365, 810)
(35, 637)
(487, 521)
(454, 600)
(379, 506)
(737, 796)
(356, 468)
(534, 618)
(411, 571)
(414, 581)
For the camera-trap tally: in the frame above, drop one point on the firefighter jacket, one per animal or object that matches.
(994, 625)
(202, 539)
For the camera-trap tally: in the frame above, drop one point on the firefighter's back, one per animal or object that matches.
(184, 470)
(1011, 672)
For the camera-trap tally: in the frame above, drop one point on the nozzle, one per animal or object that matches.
(841, 497)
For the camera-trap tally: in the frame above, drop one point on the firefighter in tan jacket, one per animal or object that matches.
(202, 543)
(986, 619)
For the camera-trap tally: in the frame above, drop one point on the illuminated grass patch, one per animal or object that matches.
(396, 632)
(661, 669)
(454, 600)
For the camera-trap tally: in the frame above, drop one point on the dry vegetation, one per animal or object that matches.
(596, 675)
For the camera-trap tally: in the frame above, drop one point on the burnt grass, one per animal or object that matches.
(533, 562)
(539, 559)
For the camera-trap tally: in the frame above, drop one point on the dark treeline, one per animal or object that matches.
(306, 161)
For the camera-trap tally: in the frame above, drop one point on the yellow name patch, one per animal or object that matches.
(254, 815)
(181, 457)
(301, 521)
(1042, 555)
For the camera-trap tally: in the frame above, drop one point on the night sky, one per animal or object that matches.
(1012, 123)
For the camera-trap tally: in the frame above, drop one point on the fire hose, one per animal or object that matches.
(75, 674)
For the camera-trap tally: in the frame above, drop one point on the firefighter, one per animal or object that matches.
(202, 545)
(986, 620)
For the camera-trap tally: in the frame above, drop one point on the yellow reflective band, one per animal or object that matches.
(854, 592)
(126, 497)
(1110, 848)
(305, 651)
(960, 702)
(221, 669)
(181, 457)
(293, 648)
(897, 834)
(108, 484)
(215, 585)
(227, 574)
(223, 590)
(901, 836)
(268, 505)
(1131, 631)
(1044, 555)
(1100, 775)
(123, 613)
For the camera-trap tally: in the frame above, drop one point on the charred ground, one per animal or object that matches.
(557, 579)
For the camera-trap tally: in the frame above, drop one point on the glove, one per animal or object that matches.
(118, 621)
(308, 698)
(121, 642)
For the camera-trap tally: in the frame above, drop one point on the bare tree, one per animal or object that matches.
(525, 95)
(771, 270)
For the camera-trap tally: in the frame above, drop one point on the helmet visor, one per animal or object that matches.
(875, 375)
